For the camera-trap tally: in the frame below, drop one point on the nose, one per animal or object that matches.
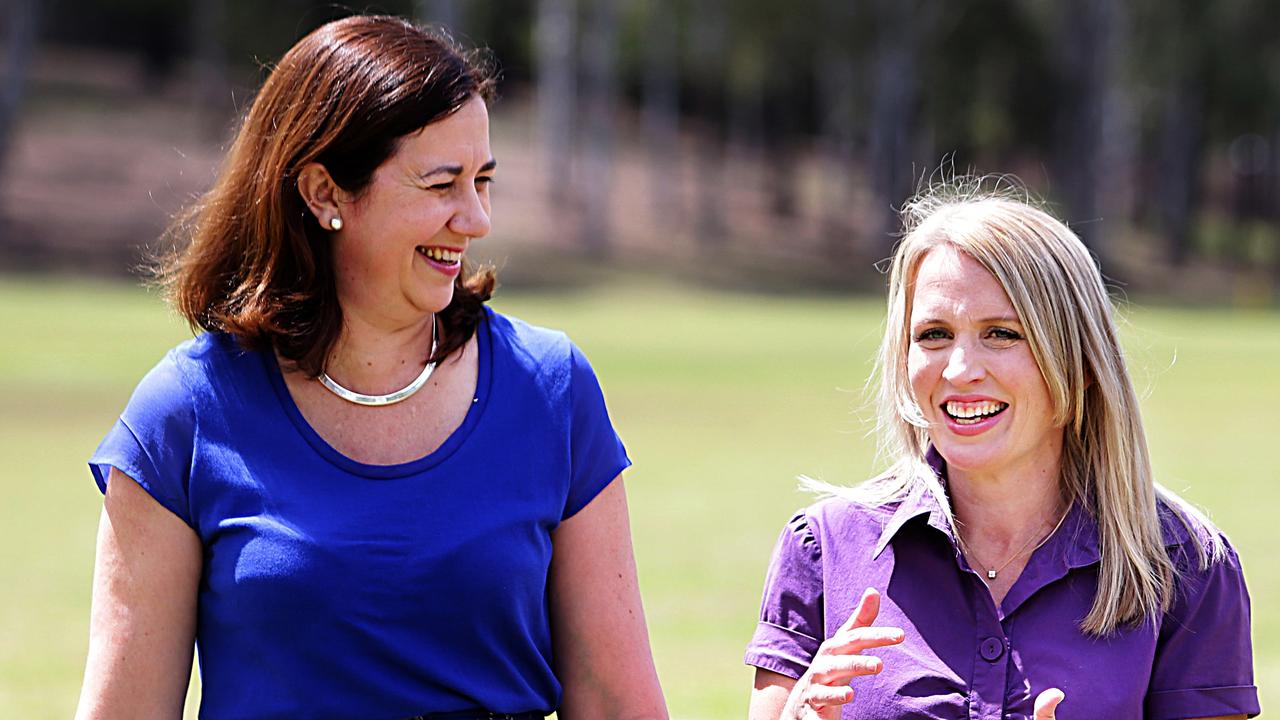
(471, 217)
(964, 366)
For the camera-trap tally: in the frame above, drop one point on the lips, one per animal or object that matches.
(446, 260)
(972, 415)
(973, 412)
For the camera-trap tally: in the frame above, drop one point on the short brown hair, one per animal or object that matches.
(258, 265)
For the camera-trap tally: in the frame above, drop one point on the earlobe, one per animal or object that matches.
(322, 195)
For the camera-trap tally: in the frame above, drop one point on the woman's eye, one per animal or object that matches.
(484, 180)
(1003, 336)
(440, 187)
(932, 334)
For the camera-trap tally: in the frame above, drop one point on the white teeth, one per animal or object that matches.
(440, 254)
(969, 411)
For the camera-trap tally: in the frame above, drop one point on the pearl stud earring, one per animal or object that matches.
(335, 223)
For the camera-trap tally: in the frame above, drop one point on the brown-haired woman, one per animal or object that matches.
(361, 492)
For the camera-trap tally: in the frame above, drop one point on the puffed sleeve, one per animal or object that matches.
(791, 625)
(152, 442)
(1204, 657)
(596, 452)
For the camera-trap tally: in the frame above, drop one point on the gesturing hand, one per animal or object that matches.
(820, 692)
(1047, 704)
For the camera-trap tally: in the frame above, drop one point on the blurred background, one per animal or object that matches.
(700, 192)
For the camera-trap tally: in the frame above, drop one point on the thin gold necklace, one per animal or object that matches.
(992, 572)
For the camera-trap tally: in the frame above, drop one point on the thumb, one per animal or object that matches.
(1047, 702)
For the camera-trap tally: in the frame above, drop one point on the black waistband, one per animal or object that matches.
(479, 715)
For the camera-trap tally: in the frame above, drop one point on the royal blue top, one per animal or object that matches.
(964, 656)
(336, 589)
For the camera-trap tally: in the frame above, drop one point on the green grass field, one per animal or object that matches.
(722, 400)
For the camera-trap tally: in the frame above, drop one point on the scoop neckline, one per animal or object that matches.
(411, 467)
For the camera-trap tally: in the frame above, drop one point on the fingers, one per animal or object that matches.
(1047, 703)
(825, 686)
(857, 633)
(821, 696)
(866, 612)
(859, 639)
(840, 669)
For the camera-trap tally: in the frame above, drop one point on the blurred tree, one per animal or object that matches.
(784, 38)
(442, 12)
(1182, 94)
(209, 45)
(661, 112)
(555, 36)
(1181, 125)
(709, 72)
(1243, 118)
(600, 96)
(989, 81)
(836, 80)
(19, 35)
(1086, 72)
(902, 28)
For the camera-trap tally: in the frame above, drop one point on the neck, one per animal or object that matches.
(377, 358)
(1001, 510)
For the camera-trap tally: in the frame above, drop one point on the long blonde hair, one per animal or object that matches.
(1059, 295)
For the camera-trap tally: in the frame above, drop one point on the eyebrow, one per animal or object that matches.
(457, 169)
(1007, 319)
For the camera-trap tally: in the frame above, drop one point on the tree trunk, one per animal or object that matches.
(20, 40)
(439, 12)
(711, 75)
(1182, 130)
(894, 98)
(661, 115)
(212, 99)
(599, 55)
(1119, 142)
(835, 73)
(1181, 139)
(554, 37)
(1086, 68)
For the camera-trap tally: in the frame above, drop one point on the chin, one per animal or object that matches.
(970, 458)
(435, 301)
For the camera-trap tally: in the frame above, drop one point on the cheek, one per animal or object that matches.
(919, 374)
(1032, 388)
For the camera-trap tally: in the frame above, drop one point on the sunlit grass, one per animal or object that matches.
(722, 400)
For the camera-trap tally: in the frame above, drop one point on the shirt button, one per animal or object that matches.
(991, 649)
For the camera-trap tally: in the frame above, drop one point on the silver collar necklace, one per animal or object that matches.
(390, 398)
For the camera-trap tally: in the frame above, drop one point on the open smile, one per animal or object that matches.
(972, 417)
(445, 260)
(972, 413)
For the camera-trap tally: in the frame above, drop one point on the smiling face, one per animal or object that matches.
(972, 371)
(404, 236)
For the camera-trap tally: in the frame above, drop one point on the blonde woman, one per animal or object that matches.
(1018, 560)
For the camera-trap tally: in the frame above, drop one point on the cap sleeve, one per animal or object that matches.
(152, 441)
(596, 452)
(1204, 657)
(791, 613)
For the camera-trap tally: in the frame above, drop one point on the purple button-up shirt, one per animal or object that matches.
(966, 657)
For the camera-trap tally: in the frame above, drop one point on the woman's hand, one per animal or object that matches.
(820, 692)
(1047, 704)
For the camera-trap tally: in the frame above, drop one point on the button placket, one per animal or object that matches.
(991, 662)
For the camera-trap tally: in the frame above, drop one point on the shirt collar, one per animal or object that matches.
(918, 502)
(1079, 532)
